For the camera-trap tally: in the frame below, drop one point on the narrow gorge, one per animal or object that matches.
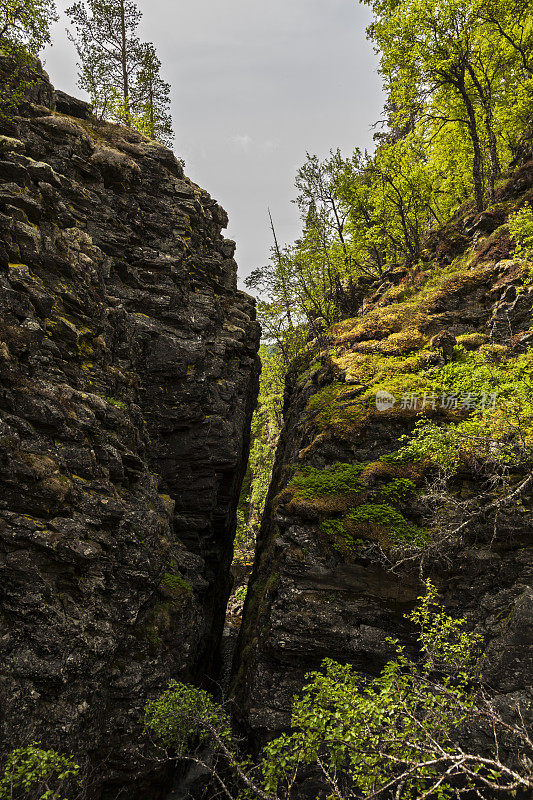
(129, 374)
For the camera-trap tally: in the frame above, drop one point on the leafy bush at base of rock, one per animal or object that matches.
(184, 716)
(367, 731)
(33, 773)
(389, 735)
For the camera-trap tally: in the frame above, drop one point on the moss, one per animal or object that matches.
(379, 323)
(113, 402)
(398, 490)
(258, 602)
(40, 465)
(335, 407)
(341, 539)
(332, 527)
(472, 341)
(376, 517)
(174, 586)
(387, 469)
(159, 621)
(309, 482)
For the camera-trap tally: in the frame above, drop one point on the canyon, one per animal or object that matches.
(128, 379)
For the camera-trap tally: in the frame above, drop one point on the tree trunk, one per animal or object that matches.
(124, 63)
(485, 96)
(477, 166)
(495, 166)
(151, 102)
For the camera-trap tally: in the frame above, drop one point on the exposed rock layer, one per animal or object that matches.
(128, 376)
(314, 595)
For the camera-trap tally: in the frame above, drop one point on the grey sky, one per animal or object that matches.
(255, 84)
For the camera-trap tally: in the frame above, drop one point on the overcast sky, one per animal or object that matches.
(255, 85)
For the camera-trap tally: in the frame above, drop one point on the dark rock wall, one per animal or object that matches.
(128, 376)
(311, 598)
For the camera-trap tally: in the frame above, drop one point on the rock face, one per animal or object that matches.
(128, 376)
(319, 588)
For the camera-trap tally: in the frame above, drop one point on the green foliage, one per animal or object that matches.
(372, 733)
(26, 24)
(175, 583)
(521, 228)
(151, 110)
(114, 402)
(459, 83)
(120, 73)
(24, 31)
(446, 645)
(184, 716)
(365, 736)
(499, 430)
(342, 539)
(398, 490)
(332, 527)
(240, 594)
(452, 69)
(265, 429)
(33, 773)
(385, 516)
(336, 479)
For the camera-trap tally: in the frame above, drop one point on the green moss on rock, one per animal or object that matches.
(309, 482)
(386, 518)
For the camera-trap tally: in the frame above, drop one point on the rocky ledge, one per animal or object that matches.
(128, 376)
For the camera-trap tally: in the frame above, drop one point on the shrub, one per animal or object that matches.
(33, 773)
(521, 228)
(372, 733)
(387, 736)
(184, 716)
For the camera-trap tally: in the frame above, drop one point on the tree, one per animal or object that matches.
(317, 184)
(404, 196)
(24, 30)
(152, 98)
(26, 23)
(447, 62)
(395, 735)
(121, 74)
(110, 52)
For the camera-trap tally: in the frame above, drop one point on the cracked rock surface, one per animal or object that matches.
(128, 376)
